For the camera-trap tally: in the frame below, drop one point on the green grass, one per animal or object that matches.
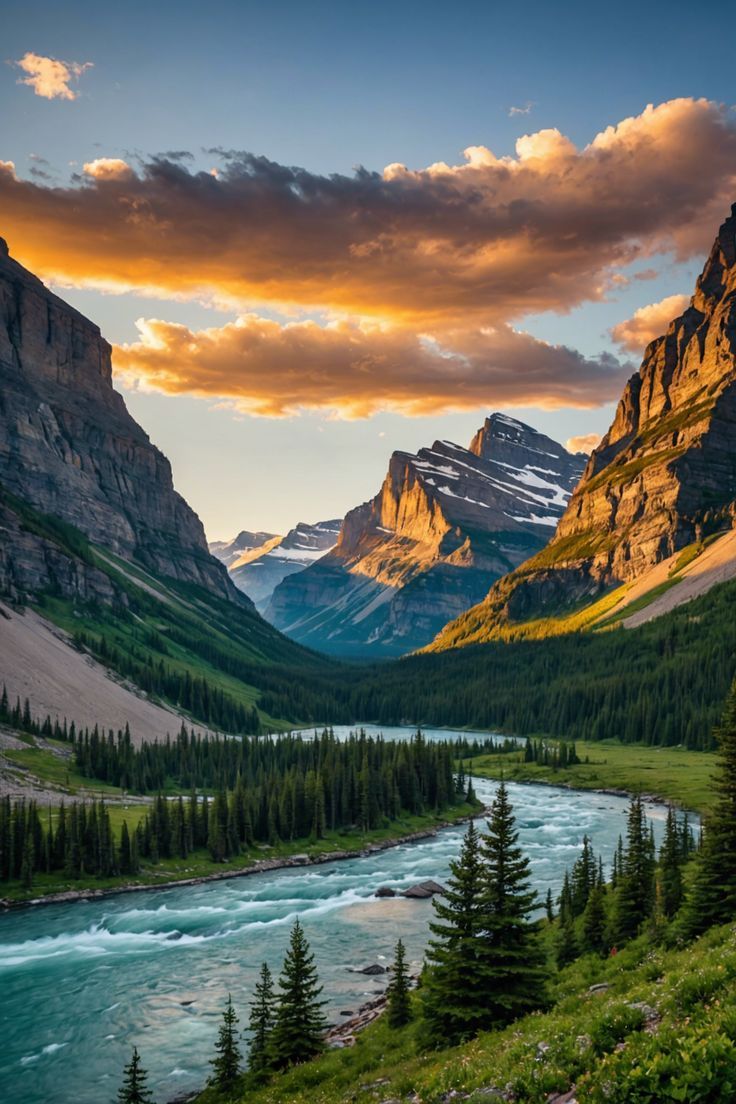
(673, 773)
(577, 1041)
(199, 864)
(56, 768)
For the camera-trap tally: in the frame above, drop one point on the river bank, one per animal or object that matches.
(258, 866)
(673, 775)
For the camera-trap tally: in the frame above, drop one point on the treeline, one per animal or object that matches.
(193, 693)
(558, 756)
(284, 789)
(210, 762)
(80, 844)
(663, 683)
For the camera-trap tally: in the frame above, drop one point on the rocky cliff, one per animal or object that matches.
(663, 477)
(446, 523)
(70, 449)
(258, 562)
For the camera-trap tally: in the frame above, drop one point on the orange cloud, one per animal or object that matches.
(108, 168)
(49, 77)
(649, 322)
(357, 369)
(585, 443)
(491, 239)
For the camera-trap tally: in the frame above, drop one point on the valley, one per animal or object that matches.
(430, 797)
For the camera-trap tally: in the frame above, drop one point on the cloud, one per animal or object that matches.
(108, 168)
(635, 333)
(488, 240)
(356, 369)
(585, 443)
(525, 110)
(49, 77)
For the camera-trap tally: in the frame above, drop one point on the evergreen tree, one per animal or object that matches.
(566, 943)
(399, 1001)
(133, 1089)
(512, 960)
(635, 888)
(262, 1014)
(549, 907)
(226, 1063)
(453, 991)
(298, 1032)
(594, 922)
(670, 875)
(489, 967)
(712, 896)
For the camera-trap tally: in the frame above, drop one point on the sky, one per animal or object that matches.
(316, 233)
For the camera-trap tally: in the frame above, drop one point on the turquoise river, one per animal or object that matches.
(81, 983)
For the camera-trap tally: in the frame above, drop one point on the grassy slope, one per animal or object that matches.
(675, 774)
(689, 1057)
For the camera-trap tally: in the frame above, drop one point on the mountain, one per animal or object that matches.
(97, 539)
(243, 548)
(259, 573)
(69, 448)
(446, 523)
(657, 494)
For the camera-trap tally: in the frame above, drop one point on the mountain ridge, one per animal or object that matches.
(662, 479)
(446, 522)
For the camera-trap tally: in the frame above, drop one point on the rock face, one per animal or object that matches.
(663, 477)
(258, 568)
(69, 448)
(446, 523)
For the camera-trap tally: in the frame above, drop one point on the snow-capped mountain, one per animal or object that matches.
(445, 525)
(245, 546)
(257, 567)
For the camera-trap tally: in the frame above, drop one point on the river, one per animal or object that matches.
(81, 983)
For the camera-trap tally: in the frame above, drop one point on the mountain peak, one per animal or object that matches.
(500, 432)
(663, 478)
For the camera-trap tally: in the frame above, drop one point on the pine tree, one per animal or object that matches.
(226, 1064)
(453, 991)
(298, 1032)
(635, 887)
(594, 921)
(566, 943)
(512, 961)
(670, 875)
(712, 896)
(549, 907)
(399, 1001)
(262, 1014)
(133, 1090)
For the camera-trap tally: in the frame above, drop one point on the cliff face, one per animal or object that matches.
(69, 448)
(445, 523)
(663, 477)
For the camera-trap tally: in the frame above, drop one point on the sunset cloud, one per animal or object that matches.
(488, 240)
(49, 77)
(356, 369)
(585, 443)
(108, 168)
(649, 322)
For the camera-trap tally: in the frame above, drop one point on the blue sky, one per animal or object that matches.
(329, 86)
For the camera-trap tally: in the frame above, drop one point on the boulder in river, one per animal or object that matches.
(385, 891)
(423, 889)
(376, 968)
